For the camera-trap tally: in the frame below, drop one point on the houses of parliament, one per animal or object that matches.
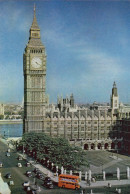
(93, 127)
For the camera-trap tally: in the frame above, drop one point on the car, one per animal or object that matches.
(47, 179)
(1, 164)
(33, 191)
(28, 164)
(20, 158)
(8, 150)
(26, 184)
(48, 183)
(19, 165)
(11, 182)
(8, 176)
(28, 188)
(36, 170)
(29, 173)
(40, 176)
(39, 173)
(8, 154)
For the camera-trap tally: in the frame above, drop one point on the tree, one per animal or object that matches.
(1, 117)
(56, 150)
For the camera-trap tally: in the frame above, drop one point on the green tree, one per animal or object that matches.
(56, 150)
(1, 117)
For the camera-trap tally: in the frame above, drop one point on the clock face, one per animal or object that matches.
(36, 62)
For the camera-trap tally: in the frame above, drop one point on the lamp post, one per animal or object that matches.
(117, 154)
(102, 167)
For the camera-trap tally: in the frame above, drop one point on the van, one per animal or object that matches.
(19, 165)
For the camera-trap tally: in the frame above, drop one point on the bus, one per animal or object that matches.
(68, 181)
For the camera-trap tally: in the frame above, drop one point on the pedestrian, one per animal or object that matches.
(89, 183)
(109, 185)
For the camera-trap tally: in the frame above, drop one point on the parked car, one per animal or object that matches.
(20, 158)
(8, 154)
(8, 175)
(29, 173)
(1, 164)
(8, 150)
(19, 165)
(26, 184)
(33, 191)
(11, 183)
(36, 170)
(40, 176)
(48, 183)
(28, 164)
(28, 188)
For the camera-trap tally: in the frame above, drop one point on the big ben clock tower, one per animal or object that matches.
(34, 67)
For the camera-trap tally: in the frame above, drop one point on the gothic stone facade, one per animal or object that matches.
(89, 129)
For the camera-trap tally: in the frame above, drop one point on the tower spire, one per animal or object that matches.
(34, 37)
(114, 84)
(34, 7)
(34, 23)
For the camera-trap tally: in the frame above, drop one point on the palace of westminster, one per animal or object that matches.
(95, 127)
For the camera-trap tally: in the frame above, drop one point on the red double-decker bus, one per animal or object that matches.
(68, 181)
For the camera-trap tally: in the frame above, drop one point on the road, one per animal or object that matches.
(18, 174)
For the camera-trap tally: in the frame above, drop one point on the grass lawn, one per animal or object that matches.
(102, 160)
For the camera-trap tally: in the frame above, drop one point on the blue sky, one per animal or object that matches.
(87, 45)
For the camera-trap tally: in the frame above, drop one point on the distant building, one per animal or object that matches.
(95, 127)
(2, 109)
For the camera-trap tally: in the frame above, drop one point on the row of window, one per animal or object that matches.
(36, 51)
(76, 129)
(62, 123)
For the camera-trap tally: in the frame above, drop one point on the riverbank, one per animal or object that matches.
(14, 121)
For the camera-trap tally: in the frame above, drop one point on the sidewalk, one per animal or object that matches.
(84, 185)
(44, 170)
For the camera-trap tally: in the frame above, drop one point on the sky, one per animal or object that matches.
(87, 45)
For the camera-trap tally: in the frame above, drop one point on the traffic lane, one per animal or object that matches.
(10, 166)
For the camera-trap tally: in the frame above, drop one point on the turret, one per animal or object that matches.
(114, 98)
(72, 101)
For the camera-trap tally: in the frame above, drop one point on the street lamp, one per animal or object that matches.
(102, 166)
(117, 154)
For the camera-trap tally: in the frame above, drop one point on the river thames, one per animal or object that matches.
(11, 130)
